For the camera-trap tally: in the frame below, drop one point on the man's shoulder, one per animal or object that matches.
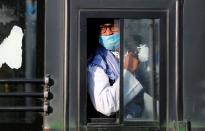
(97, 60)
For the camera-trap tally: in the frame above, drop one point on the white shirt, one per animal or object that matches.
(105, 98)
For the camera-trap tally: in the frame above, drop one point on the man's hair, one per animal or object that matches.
(96, 22)
(100, 21)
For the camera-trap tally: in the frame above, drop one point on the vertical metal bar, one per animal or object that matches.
(80, 65)
(30, 39)
(153, 61)
(30, 48)
(121, 110)
(66, 80)
(178, 60)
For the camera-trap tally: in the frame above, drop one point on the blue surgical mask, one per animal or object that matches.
(110, 42)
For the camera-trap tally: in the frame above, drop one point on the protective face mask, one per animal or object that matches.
(143, 54)
(110, 42)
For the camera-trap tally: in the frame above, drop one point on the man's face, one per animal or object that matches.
(108, 29)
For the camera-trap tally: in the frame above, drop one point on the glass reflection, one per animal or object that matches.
(140, 76)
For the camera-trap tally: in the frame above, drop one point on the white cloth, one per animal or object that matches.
(105, 98)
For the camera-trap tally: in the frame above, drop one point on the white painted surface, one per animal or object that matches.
(11, 49)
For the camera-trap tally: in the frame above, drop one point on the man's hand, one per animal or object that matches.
(131, 62)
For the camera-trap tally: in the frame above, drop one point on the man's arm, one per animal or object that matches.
(131, 86)
(105, 98)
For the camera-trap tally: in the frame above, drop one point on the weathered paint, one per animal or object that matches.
(11, 49)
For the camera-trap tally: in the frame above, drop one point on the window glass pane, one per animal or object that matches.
(141, 74)
(21, 53)
(103, 44)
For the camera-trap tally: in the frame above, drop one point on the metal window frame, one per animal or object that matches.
(84, 14)
(57, 61)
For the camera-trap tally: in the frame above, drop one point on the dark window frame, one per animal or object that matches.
(84, 14)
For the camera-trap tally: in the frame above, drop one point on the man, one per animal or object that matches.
(104, 75)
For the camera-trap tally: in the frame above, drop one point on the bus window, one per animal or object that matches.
(140, 69)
